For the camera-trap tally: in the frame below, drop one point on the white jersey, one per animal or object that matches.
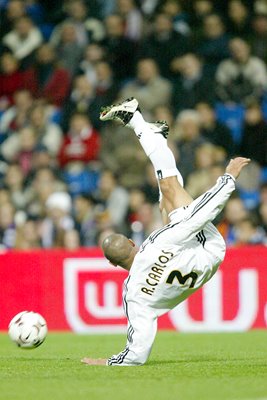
(171, 264)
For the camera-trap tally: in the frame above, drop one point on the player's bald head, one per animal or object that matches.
(118, 249)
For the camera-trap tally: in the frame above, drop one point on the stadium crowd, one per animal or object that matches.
(67, 179)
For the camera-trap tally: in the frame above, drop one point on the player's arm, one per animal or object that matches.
(141, 334)
(142, 328)
(206, 207)
(236, 165)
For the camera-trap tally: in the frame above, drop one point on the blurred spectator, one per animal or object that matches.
(85, 217)
(248, 232)
(127, 159)
(11, 79)
(28, 142)
(191, 85)
(234, 213)
(202, 178)
(4, 195)
(239, 23)
(121, 51)
(82, 99)
(16, 117)
(71, 240)
(92, 55)
(179, 17)
(14, 149)
(263, 193)
(23, 40)
(20, 147)
(47, 79)
(213, 131)
(57, 221)
(87, 28)
(27, 236)
(68, 49)
(48, 133)
(242, 77)
(12, 10)
(106, 87)
(201, 8)
(263, 216)
(222, 7)
(149, 7)
(106, 90)
(258, 36)
(15, 9)
(212, 45)
(7, 226)
(254, 140)
(136, 200)
(89, 98)
(81, 144)
(114, 200)
(260, 6)
(133, 19)
(189, 125)
(149, 87)
(106, 7)
(148, 219)
(163, 44)
(41, 158)
(81, 178)
(42, 185)
(14, 181)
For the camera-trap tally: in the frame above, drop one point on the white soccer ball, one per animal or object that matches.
(27, 329)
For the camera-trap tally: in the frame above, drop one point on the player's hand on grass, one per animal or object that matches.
(236, 165)
(94, 361)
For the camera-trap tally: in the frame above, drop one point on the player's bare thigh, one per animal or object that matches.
(174, 195)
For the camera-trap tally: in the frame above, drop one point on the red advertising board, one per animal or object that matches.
(80, 291)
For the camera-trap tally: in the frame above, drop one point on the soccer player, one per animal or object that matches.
(174, 261)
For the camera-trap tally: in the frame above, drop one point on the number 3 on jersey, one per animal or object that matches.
(182, 278)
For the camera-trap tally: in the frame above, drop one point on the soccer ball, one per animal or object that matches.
(27, 329)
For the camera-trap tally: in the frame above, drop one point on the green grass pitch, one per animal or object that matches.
(181, 366)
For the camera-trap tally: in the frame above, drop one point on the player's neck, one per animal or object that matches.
(127, 264)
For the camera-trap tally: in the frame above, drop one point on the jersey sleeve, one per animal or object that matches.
(142, 328)
(207, 206)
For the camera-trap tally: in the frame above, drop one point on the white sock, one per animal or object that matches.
(156, 148)
(143, 132)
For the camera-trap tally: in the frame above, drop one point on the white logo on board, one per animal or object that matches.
(89, 292)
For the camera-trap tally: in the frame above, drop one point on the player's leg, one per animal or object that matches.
(173, 194)
(153, 139)
(155, 145)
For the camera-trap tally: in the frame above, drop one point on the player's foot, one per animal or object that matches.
(160, 127)
(121, 112)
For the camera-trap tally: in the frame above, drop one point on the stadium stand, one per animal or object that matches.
(65, 176)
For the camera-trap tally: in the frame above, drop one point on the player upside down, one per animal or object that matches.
(174, 261)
